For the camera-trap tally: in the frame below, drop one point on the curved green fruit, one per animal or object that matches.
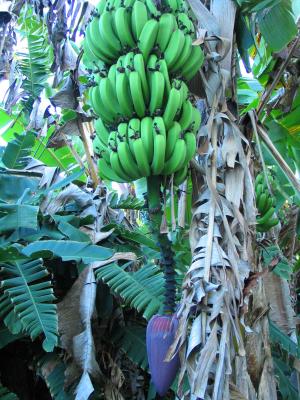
(261, 201)
(185, 24)
(177, 158)
(163, 68)
(107, 33)
(174, 48)
(107, 95)
(180, 176)
(117, 167)
(173, 135)
(147, 38)
(196, 121)
(122, 135)
(259, 189)
(139, 66)
(139, 18)
(159, 127)
(123, 27)
(157, 92)
(141, 157)
(123, 94)
(153, 11)
(106, 172)
(101, 131)
(94, 47)
(127, 161)
(173, 104)
(166, 26)
(191, 146)
(184, 58)
(147, 137)
(134, 131)
(128, 62)
(266, 216)
(158, 154)
(187, 115)
(196, 60)
(137, 93)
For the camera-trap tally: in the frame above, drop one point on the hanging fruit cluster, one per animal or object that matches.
(265, 204)
(142, 55)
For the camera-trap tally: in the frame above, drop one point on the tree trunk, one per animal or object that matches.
(223, 332)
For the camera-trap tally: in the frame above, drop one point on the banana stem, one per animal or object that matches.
(166, 253)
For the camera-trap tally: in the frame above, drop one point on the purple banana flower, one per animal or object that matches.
(160, 334)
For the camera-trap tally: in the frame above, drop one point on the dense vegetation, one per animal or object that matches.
(85, 265)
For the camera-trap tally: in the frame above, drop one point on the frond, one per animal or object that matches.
(34, 65)
(17, 152)
(28, 294)
(52, 369)
(132, 340)
(142, 290)
(5, 394)
(128, 202)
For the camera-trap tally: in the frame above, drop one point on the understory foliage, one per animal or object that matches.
(79, 265)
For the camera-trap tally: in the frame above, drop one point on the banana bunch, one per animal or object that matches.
(118, 27)
(265, 205)
(140, 55)
(143, 147)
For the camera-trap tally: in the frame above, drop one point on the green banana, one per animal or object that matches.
(147, 38)
(117, 167)
(139, 66)
(107, 33)
(147, 137)
(268, 205)
(137, 93)
(122, 135)
(112, 78)
(172, 137)
(171, 109)
(93, 46)
(134, 131)
(262, 201)
(259, 179)
(112, 140)
(185, 23)
(153, 11)
(159, 126)
(100, 7)
(172, 5)
(152, 66)
(180, 176)
(177, 158)
(259, 189)
(141, 157)
(123, 94)
(191, 145)
(157, 92)
(128, 62)
(159, 150)
(163, 68)
(185, 54)
(166, 26)
(194, 64)
(100, 148)
(196, 120)
(98, 105)
(101, 131)
(107, 95)
(174, 48)
(139, 18)
(187, 115)
(266, 216)
(123, 27)
(106, 172)
(127, 161)
(268, 225)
